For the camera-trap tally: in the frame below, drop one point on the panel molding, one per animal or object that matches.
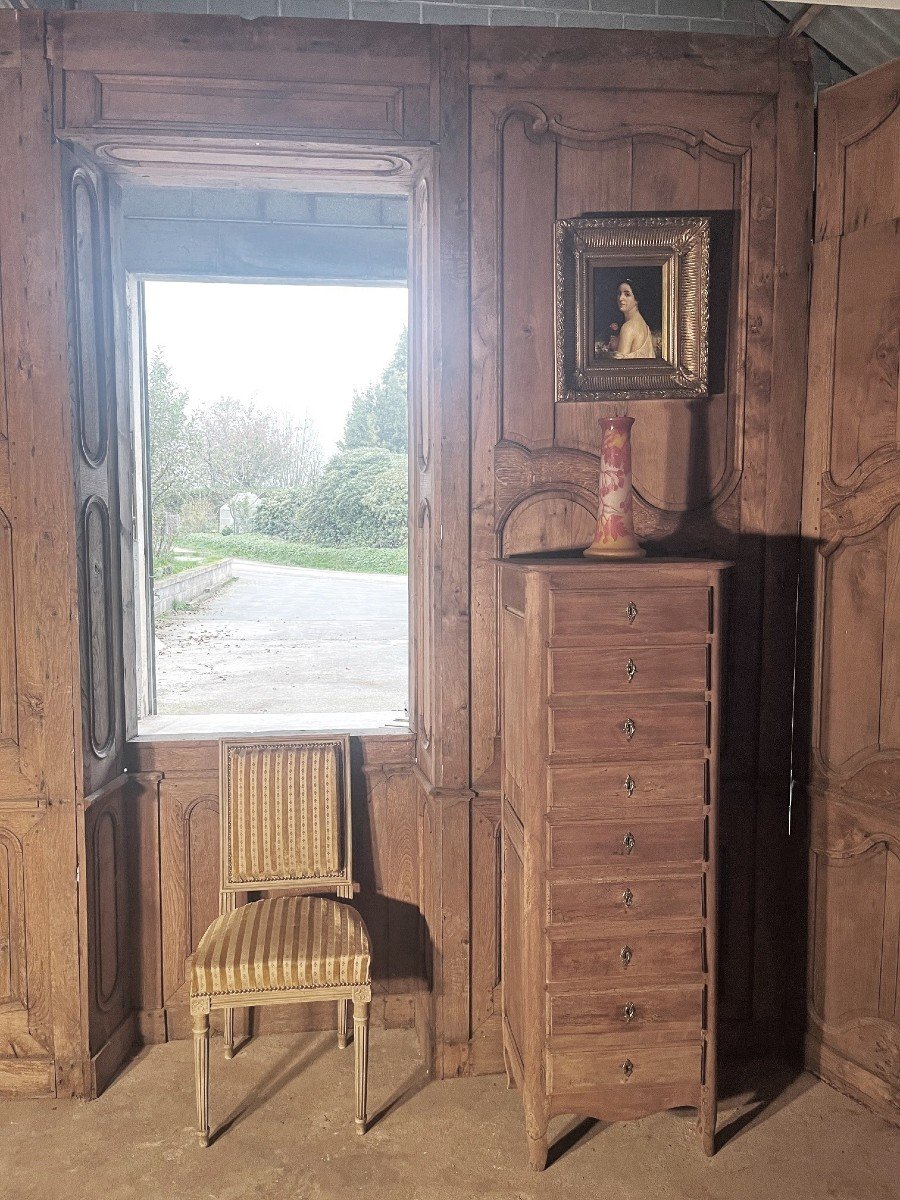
(9, 717)
(13, 974)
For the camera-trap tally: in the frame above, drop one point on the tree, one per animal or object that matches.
(245, 448)
(174, 461)
(378, 415)
(361, 500)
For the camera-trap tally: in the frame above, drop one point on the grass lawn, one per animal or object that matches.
(259, 547)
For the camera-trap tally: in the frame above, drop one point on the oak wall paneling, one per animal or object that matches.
(468, 122)
(42, 1048)
(848, 753)
(663, 132)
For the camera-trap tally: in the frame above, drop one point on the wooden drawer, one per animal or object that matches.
(602, 729)
(586, 672)
(638, 612)
(637, 1016)
(627, 841)
(626, 785)
(630, 954)
(584, 1067)
(636, 898)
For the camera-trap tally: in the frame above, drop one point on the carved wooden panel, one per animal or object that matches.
(13, 978)
(110, 948)
(849, 754)
(111, 102)
(712, 476)
(8, 698)
(310, 78)
(93, 398)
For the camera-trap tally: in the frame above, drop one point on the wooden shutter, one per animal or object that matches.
(849, 717)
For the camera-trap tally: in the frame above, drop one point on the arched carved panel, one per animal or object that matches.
(424, 618)
(90, 377)
(99, 650)
(865, 367)
(12, 923)
(870, 152)
(107, 884)
(421, 333)
(8, 699)
(554, 520)
(859, 680)
(201, 868)
(847, 955)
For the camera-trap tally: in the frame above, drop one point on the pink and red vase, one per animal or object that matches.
(615, 519)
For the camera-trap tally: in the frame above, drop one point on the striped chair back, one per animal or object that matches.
(285, 814)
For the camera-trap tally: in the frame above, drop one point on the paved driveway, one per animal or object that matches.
(287, 640)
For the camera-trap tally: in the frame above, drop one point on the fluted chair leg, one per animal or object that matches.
(361, 1047)
(343, 1007)
(228, 1021)
(201, 1073)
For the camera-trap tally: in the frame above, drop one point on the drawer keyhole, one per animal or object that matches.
(629, 728)
(629, 785)
(626, 955)
(631, 612)
(628, 1012)
(627, 1068)
(628, 842)
(630, 669)
(628, 897)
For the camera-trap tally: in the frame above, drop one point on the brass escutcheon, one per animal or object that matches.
(628, 897)
(627, 1068)
(630, 669)
(629, 728)
(628, 1011)
(628, 842)
(629, 785)
(631, 612)
(625, 954)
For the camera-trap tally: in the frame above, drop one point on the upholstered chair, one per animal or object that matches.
(284, 826)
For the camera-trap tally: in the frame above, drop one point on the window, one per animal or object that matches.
(271, 439)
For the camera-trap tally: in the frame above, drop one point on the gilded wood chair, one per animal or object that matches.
(284, 824)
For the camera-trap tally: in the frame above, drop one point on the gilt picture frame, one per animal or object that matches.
(631, 307)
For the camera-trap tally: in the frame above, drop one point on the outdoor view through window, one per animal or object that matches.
(276, 448)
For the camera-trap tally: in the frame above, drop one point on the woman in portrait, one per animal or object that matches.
(633, 339)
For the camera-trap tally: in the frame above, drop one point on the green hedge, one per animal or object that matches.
(261, 548)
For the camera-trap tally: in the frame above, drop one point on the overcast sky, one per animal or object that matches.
(290, 347)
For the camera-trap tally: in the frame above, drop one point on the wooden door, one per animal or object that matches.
(848, 758)
(103, 539)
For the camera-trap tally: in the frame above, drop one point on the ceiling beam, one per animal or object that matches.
(802, 19)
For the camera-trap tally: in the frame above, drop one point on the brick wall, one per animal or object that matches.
(698, 16)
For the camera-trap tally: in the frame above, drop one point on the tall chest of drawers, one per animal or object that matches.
(610, 686)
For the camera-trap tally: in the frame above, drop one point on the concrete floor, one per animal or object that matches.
(288, 640)
(284, 1111)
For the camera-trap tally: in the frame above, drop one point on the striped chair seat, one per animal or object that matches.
(282, 944)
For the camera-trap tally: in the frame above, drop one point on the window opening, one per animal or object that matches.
(272, 445)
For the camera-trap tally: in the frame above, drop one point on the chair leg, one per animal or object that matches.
(343, 1007)
(201, 1074)
(228, 1019)
(361, 1048)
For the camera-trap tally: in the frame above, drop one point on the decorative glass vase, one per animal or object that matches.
(615, 519)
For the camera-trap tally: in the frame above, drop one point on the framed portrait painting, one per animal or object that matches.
(632, 307)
